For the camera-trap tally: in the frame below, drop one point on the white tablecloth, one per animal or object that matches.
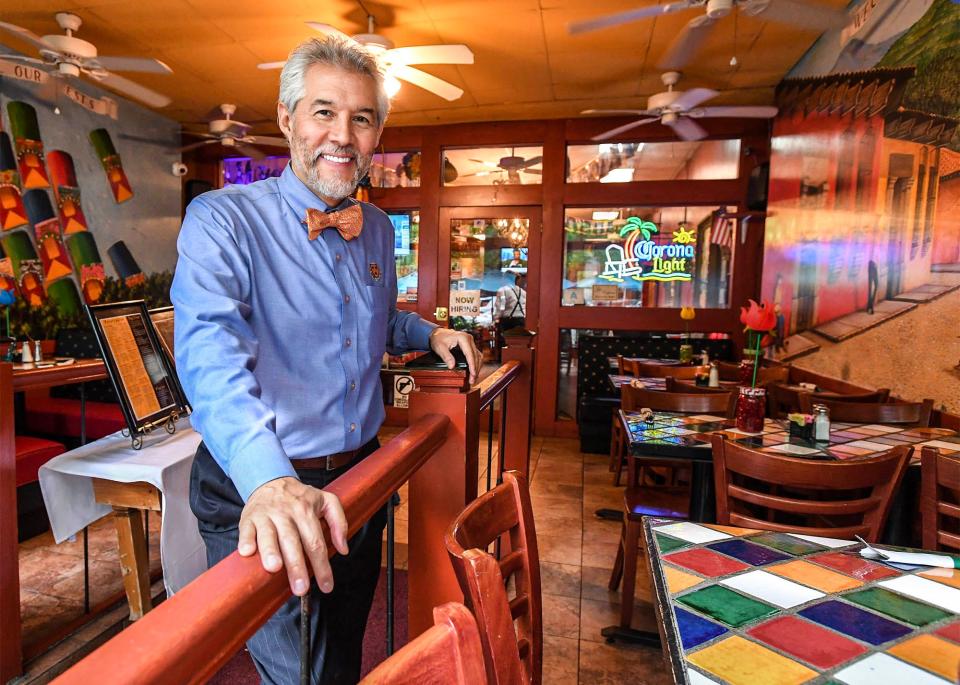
(164, 461)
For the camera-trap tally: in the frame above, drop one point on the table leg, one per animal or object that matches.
(133, 560)
(702, 496)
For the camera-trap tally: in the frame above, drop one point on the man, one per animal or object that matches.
(510, 304)
(281, 324)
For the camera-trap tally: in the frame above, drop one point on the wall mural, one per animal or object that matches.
(862, 221)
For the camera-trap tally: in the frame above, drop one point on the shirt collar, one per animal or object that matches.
(299, 197)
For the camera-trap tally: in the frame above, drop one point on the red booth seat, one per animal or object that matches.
(58, 416)
(32, 453)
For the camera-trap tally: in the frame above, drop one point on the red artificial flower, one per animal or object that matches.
(758, 317)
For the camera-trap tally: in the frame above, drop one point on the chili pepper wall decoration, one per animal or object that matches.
(26, 140)
(107, 154)
(67, 192)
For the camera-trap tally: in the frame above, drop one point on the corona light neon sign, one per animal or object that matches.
(641, 259)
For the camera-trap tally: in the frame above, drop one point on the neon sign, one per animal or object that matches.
(641, 259)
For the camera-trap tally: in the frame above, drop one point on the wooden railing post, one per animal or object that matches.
(440, 490)
(516, 446)
(10, 638)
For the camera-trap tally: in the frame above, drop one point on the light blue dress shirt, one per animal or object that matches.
(278, 338)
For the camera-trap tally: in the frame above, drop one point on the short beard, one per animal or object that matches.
(332, 188)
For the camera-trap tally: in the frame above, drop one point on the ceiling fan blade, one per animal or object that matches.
(533, 171)
(144, 64)
(328, 29)
(597, 23)
(447, 91)
(134, 90)
(533, 161)
(612, 112)
(687, 129)
(27, 35)
(738, 112)
(814, 17)
(271, 65)
(693, 97)
(24, 58)
(623, 129)
(430, 54)
(686, 44)
(249, 150)
(268, 140)
(194, 146)
(198, 134)
(485, 163)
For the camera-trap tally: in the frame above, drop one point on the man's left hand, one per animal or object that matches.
(442, 340)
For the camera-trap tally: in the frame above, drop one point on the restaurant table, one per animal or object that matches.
(660, 384)
(85, 484)
(738, 605)
(685, 437)
(661, 361)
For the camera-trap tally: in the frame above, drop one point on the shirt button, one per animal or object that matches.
(337, 257)
(346, 298)
(353, 385)
(348, 343)
(353, 427)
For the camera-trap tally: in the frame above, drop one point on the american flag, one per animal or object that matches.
(722, 233)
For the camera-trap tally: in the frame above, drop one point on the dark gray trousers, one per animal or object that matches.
(337, 619)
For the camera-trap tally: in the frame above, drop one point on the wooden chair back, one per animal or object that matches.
(628, 367)
(664, 371)
(511, 630)
(880, 395)
(765, 374)
(449, 653)
(940, 499)
(832, 499)
(914, 413)
(781, 400)
(678, 385)
(722, 403)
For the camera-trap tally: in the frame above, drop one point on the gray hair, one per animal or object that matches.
(332, 51)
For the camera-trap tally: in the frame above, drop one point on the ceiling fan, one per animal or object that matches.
(512, 165)
(72, 56)
(677, 109)
(688, 41)
(232, 133)
(397, 61)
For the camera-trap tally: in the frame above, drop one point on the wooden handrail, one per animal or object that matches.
(192, 635)
(494, 384)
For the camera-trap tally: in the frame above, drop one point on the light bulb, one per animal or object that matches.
(391, 84)
(56, 109)
(733, 61)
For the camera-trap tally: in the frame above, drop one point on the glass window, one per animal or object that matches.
(647, 257)
(492, 166)
(406, 248)
(395, 170)
(626, 162)
(243, 170)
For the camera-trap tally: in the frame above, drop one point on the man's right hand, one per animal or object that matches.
(282, 519)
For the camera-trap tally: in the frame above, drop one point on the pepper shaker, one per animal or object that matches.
(37, 352)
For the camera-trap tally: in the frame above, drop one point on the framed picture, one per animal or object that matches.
(142, 374)
(162, 319)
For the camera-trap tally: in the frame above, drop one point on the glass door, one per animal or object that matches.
(488, 271)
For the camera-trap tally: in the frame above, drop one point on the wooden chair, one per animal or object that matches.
(449, 653)
(511, 630)
(940, 499)
(627, 366)
(916, 413)
(632, 399)
(662, 371)
(676, 385)
(833, 499)
(880, 395)
(765, 374)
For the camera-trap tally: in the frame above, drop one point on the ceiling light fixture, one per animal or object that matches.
(608, 215)
(622, 175)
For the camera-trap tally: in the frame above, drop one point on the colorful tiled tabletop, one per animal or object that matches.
(686, 437)
(745, 606)
(612, 361)
(616, 380)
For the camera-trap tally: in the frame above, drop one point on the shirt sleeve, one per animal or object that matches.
(216, 351)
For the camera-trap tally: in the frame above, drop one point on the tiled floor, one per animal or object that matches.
(576, 554)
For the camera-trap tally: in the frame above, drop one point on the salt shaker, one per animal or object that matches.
(821, 423)
(26, 355)
(714, 381)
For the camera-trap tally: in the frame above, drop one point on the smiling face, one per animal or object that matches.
(333, 131)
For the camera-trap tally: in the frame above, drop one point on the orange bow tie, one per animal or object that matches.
(348, 222)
